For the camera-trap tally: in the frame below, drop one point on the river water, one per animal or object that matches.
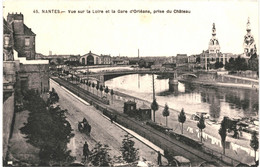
(217, 101)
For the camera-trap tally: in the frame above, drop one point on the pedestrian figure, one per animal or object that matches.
(85, 150)
(159, 158)
(112, 118)
(240, 130)
(84, 120)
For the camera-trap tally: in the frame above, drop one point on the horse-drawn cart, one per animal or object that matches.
(84, 127)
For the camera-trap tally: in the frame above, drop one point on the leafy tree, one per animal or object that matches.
(93, 85)
(129, 153)
(99, 156)
(253, 63)
(89, 84)
(106, 90)
(230, 65)
(54, 97)
(240, 64)
(182, 119)
(112, 93)
(154, 107)
(166, 113)
(97, 87)
(254, 143)
(223, 134)
(101, 89)
(86, 84)
(201, 125)
(218, 65)
(48, 130)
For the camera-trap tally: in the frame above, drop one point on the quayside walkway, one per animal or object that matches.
(159, 139)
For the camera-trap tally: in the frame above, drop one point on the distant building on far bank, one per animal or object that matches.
(94, 59)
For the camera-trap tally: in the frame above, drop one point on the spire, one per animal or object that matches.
(248, 27)
(213, 30)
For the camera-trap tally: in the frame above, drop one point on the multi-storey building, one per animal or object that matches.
(24, 38)
(105, 59)
(20, 71)
(181, 59)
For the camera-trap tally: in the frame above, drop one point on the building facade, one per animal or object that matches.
(94, 59)
(24, 38)
(181, 59)
(105, 59)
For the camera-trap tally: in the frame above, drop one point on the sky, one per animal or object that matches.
(155, 34)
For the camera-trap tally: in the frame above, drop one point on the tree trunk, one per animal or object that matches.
(166, 122)
(153, 115)
(181, 128)
(201, 135)
(224, 146)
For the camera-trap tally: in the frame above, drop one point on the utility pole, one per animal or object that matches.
(153, 88)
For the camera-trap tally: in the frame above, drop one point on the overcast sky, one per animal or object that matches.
(154, 34)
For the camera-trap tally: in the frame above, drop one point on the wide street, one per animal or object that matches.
(102, 129)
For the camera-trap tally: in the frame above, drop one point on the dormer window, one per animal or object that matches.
(27, 41)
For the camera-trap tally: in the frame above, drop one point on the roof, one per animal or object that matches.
(7, 28)
(28, 31)
(143, 106)
(90, 53)
(130, 102)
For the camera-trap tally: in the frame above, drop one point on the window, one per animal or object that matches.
(7, 40)
(27, 41)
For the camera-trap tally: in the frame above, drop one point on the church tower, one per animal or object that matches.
(213, 43)
(213, 53)
(249, 41)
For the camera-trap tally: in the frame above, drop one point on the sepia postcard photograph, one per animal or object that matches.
(130, 83)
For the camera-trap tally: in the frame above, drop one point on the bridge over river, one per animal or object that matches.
(102, 76)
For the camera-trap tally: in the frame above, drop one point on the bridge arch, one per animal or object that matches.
(189, 75)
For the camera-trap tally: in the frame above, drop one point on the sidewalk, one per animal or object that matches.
(244, 78)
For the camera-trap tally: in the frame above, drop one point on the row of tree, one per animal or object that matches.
(201, 125)
(240, 64)
(99, 87)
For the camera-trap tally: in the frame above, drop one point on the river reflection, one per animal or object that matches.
(216, 101)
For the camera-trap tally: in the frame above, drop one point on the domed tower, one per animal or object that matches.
(213, 43)
(249, 41)
(213, 53)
